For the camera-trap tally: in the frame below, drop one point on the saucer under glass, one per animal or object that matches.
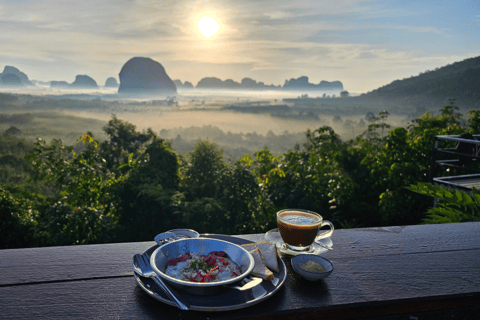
(315, 248)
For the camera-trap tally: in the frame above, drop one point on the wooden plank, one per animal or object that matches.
(445, 309)
(392, 240)
(405, 283)
(375, 284)
(20, 266)
(115, 298)
(395, 240)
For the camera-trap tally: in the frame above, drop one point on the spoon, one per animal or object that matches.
(323, 246)
(141, 265)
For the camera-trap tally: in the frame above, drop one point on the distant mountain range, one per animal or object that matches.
(300, 84)
(459, 81)
(143, 77)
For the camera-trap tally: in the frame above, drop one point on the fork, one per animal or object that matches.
(141, 265)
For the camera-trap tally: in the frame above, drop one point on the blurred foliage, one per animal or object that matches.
(452, 206)
(18, 221)
(133, 185)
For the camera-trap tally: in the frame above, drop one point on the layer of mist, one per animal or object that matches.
(252, 126)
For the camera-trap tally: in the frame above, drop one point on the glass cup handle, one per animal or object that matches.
(326, 233)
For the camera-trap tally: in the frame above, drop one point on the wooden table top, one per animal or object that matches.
(418, 271)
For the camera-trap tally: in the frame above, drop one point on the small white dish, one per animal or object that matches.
(310, 275)
(323, 246)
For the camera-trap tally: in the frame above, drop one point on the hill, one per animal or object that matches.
(459, 81)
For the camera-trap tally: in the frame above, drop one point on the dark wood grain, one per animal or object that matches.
(406, 239)
(373, 281)
(21, 266)
(411, 270)
(115, 298)
(112, 260)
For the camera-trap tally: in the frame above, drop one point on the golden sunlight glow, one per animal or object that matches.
(208, 26)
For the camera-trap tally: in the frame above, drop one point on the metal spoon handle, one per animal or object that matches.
(174, 297)
(323, 246)
(141, 265)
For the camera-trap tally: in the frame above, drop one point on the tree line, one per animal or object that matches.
(133, 185)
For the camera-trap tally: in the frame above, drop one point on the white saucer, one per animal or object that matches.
(315, 248)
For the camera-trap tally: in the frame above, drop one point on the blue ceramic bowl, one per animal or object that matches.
(309, 275)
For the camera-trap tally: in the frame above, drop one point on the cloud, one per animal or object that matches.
(367, 55)
(348, 40)
(416, 29)
(277, 15)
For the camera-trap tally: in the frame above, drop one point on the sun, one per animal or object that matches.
(208, 26)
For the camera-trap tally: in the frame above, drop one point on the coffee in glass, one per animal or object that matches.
(300, 228)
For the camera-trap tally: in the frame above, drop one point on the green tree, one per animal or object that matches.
(13, 167)
(81, 178)
(125, 142)
(404, 158)
(305, 177)
(382, 116)
(18, 221)
(64, 224)
(474, 121)
(81, 210)
(12, 131)
(450, 115)
(245, 209)
(143, 196)
(202, 169)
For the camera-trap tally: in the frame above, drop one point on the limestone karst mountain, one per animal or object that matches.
(184, 86)
(250, 84)
(84, 82)
(302, 83)
(11, 80)
(9, 70)
(59, 84)
(144, 76)
(111, 83)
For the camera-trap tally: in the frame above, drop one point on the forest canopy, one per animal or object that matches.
(133, 185)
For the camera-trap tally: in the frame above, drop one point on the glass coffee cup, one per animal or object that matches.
(300, 228)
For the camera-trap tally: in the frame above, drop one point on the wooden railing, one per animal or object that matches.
(402, 272)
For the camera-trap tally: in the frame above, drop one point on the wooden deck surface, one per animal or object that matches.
(410, 272)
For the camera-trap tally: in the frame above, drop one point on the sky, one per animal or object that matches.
(365, 44)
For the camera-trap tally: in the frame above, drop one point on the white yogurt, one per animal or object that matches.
(223, 272)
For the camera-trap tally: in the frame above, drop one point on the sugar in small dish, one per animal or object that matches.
(312, 267)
